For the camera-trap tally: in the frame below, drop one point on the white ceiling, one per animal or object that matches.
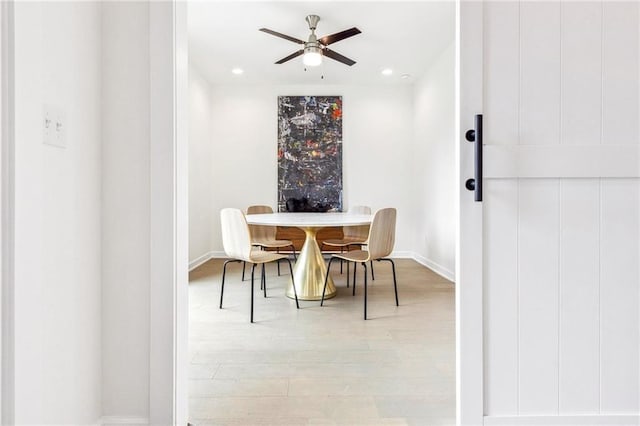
(403, 36)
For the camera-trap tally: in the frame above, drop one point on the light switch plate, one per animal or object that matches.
(54, 126)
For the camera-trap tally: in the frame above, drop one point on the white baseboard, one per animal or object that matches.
(438, 269)
(594, 420)
(200, 260)
(401, 255)
(435, 267)
(123, 420)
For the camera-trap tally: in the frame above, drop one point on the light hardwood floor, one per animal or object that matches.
(322, 365)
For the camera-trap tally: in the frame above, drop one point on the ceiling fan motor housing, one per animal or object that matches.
(312, 48)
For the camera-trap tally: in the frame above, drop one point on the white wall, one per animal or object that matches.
(202, 187)
(126, 210)
(434, 161)
(57, 215)
(6, 217)
(377, 143)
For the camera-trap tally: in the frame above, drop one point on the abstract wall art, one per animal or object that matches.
(309, 153)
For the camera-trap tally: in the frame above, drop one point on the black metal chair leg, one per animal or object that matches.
(293, 283)
(243, 265)
(278, 251)
(395, 285)
(263, 284)
(348, 274)
(355, 266)
(364, 264)
(341, 261)
(224, 273)
(326, 278)
(293, 248)
(253, 269)
(373, 277)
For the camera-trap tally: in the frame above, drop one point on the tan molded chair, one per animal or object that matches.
(237, 245)
(379, 245)
(265, 236)
(352, 236)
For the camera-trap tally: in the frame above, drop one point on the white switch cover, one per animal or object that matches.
(54, 126)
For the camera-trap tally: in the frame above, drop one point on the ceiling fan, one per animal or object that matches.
(315, 48)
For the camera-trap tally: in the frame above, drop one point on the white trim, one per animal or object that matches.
(469, 250)
(427, 263)
(181, 210)
(123, 420)
(7, 166)
(598, 420)
(435, 267)
(395, 255)
(169, 259)
(218, 255)
(405, 254)
(201, 260)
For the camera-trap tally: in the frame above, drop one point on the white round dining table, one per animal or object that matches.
(310, 268)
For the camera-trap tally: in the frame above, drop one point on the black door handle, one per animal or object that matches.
(475, 135)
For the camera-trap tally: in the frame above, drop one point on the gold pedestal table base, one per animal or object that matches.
(310, 270)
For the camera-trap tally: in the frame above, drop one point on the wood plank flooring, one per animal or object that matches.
(322, 365)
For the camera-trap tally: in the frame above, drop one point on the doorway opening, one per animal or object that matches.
(325, 363)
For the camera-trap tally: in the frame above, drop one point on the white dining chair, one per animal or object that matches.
(379, 245)
(353, 236)
(237, 244)
(264, 237)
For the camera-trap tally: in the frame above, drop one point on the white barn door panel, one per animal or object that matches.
(559, 83)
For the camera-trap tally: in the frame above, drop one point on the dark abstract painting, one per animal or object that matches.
(310, 153)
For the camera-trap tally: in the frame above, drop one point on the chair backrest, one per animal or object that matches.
(261, 232)
(382, 234)
(357, 232)
(235, 234)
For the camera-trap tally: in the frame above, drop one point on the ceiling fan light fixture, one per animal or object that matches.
(315, 48)
(312, 56)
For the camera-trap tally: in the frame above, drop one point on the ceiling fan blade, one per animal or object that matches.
(293, 55)
(327, 40)
(337, 57)
(284, 36)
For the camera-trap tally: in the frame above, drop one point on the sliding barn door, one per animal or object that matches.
(549, 266)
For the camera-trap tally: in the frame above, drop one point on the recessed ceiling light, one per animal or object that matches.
(387, 71)
(237, 71)
(405, 76)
